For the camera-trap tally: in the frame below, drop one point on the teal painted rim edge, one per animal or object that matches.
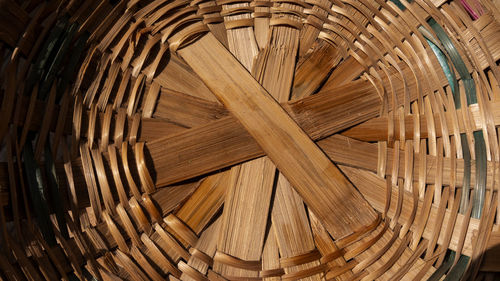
(35, 184)
(458, 270)
(47, 68)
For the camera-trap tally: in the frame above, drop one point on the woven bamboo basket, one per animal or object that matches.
(249, 140)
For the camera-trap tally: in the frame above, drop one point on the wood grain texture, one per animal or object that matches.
(192, 152)
(376, 128)
(215, 120)
(325, 244)
(314, 68)
(270, 254)
(253, 188)
(373, 188)
(224, 142)
(177, 76)
(244, 219)
(205, 202)
(207, 244)
(291, 150)
(291, 226)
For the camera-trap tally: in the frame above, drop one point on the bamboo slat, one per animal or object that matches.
(239, 228)
(292, 230)
(367, 190)
(249, 140)
(294, 139)
(251, 186)
(226, 134)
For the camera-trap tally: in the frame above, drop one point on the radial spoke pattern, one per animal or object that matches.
(249, 140)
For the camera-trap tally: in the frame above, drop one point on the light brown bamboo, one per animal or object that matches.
(318, 116)
(314, 69)
(313, 176)
(376, 129)
(326, 245)
(226, 137)
(177, 76)
(291, 227)
(255, 178)
(373, 188)
(207, 245)
(270, 255)
(205, 202)
(245, 213)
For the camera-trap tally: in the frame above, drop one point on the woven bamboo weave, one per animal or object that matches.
(249, 140)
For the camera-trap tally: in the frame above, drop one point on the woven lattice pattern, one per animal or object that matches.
(249, 140)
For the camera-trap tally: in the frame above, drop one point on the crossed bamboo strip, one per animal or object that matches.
(437, 178)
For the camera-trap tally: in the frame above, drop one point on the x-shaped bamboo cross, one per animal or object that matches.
(323, 188)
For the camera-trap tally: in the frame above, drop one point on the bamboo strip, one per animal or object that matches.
(166, 265)
(291, 227)
(270, 256)
(314, 23)
(353, 153)
(325, 245)
(44, 265)
(178, 76)
(255, 179)
(205, 202)
(356, 67)
(385, 268)
(168, 199)
(261, 22)
(291, 138)
(375, 254)
(314, 68)
(206, 245)
(135, 272)
(245, 213)
(144, 263)
(173, 249)
(361, 178)
(185, 110)
(224, 136)
(375, 129)
(104, 24)
(241, 41)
